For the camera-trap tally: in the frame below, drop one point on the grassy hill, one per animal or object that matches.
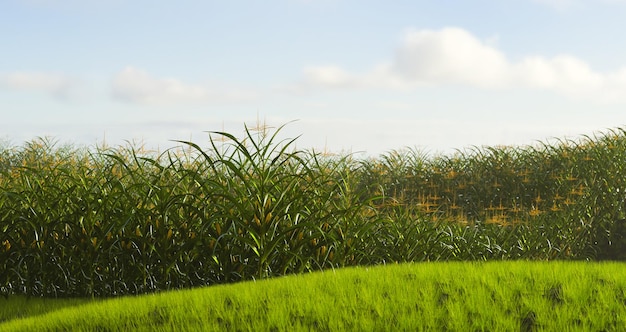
(453, 296)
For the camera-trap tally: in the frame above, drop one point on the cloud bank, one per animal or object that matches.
(59, 86)
(137, 86)
(454, 56)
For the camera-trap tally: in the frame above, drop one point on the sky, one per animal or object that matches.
(357, 76)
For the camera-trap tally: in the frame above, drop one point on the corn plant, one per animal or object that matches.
(112, 221)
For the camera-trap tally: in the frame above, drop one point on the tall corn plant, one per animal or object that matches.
(275, 210)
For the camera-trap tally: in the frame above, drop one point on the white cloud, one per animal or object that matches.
(322, 77)
(450, 55)
(327, 75)
(137, 86)
(563, 73)
(455, 56)
(57, 85)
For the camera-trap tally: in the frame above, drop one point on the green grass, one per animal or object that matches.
(457, 296)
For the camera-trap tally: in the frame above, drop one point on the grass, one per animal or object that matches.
(455, 296)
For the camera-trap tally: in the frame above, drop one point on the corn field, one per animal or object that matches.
(115, 221)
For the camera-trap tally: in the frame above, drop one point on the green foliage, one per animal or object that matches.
(565, 200)
(116, 222)
(122, 220)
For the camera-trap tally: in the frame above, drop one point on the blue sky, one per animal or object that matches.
(356, 75)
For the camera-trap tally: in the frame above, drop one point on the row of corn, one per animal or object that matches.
(78, 222)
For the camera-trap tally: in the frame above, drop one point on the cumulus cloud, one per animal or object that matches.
(455, 56)
(451, 55)
(137, 86)
(57, 85)
(563, 73)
